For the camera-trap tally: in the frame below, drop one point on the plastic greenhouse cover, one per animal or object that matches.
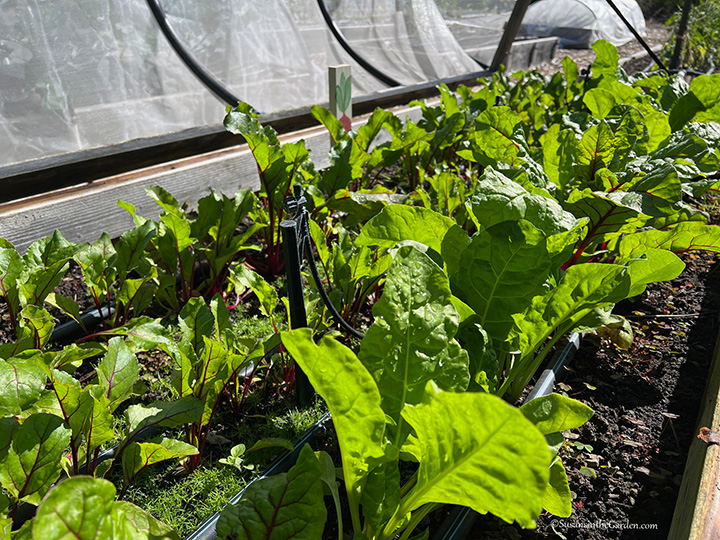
(579, 23)
(408, 39)
(477, 25)
(83, 74)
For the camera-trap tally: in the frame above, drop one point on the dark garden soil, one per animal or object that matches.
(626, 464)
(71, 286)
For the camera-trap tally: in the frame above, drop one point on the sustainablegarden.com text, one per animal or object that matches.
(600, 524)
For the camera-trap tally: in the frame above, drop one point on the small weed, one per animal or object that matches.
(184, 504)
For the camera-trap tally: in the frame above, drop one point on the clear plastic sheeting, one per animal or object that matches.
(579, 23)
(78, 74)
(406, 39)
(86, 74)
(477, 25)
(269, 54)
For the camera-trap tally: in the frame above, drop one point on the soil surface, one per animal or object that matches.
(631, 54)
(626, 464)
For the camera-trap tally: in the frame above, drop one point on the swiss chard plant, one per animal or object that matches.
(403, 397)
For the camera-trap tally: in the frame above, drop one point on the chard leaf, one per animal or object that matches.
(362, 205)
(78, 507)
(131, 246)
(599, 101)
(560, 155)
(396, 223)
(84, 507)
(606, 60)
(271, 442)
(557, 498)
(497, 198)
(584, 287)
(216, 216)
(212, 376)
(71, 408)
(41, 281)
(196, 321)
(97, 262)
(8, 426)
(595, 151)
(117, 372)
(700, 104)
(381, 494)
(502, 269)
(330, 483)
(654, 265)
(484, 363)
(282, 507)
(36, 326)
(327, 119)
(497, 137)
(339, 174)
(553, 413)
(138, 456)
(49, 251)
(144, 333)
(499, 465)
(367, 133)
(166, 201)
(138, 294)
(412, 338)
(133, 523)
(212, 366)
(661, 188)
(243, 278)
(98, 427)
(11, 267)
(609, 214)
(221, 315)
(67, 306)
(351, 395)
(186, 410)
(686, 236)
(33, 462)
(21, 384)
(173, 237)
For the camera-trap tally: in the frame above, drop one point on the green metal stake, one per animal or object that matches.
(293, 248)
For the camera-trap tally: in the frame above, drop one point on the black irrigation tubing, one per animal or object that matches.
(90, 319)
(321, 289)
(634, 32)
(375, 72)
(200, 72)
(461, 520)
(206, 530)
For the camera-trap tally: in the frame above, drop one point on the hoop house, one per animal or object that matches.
(84, 74)
(579, 23)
